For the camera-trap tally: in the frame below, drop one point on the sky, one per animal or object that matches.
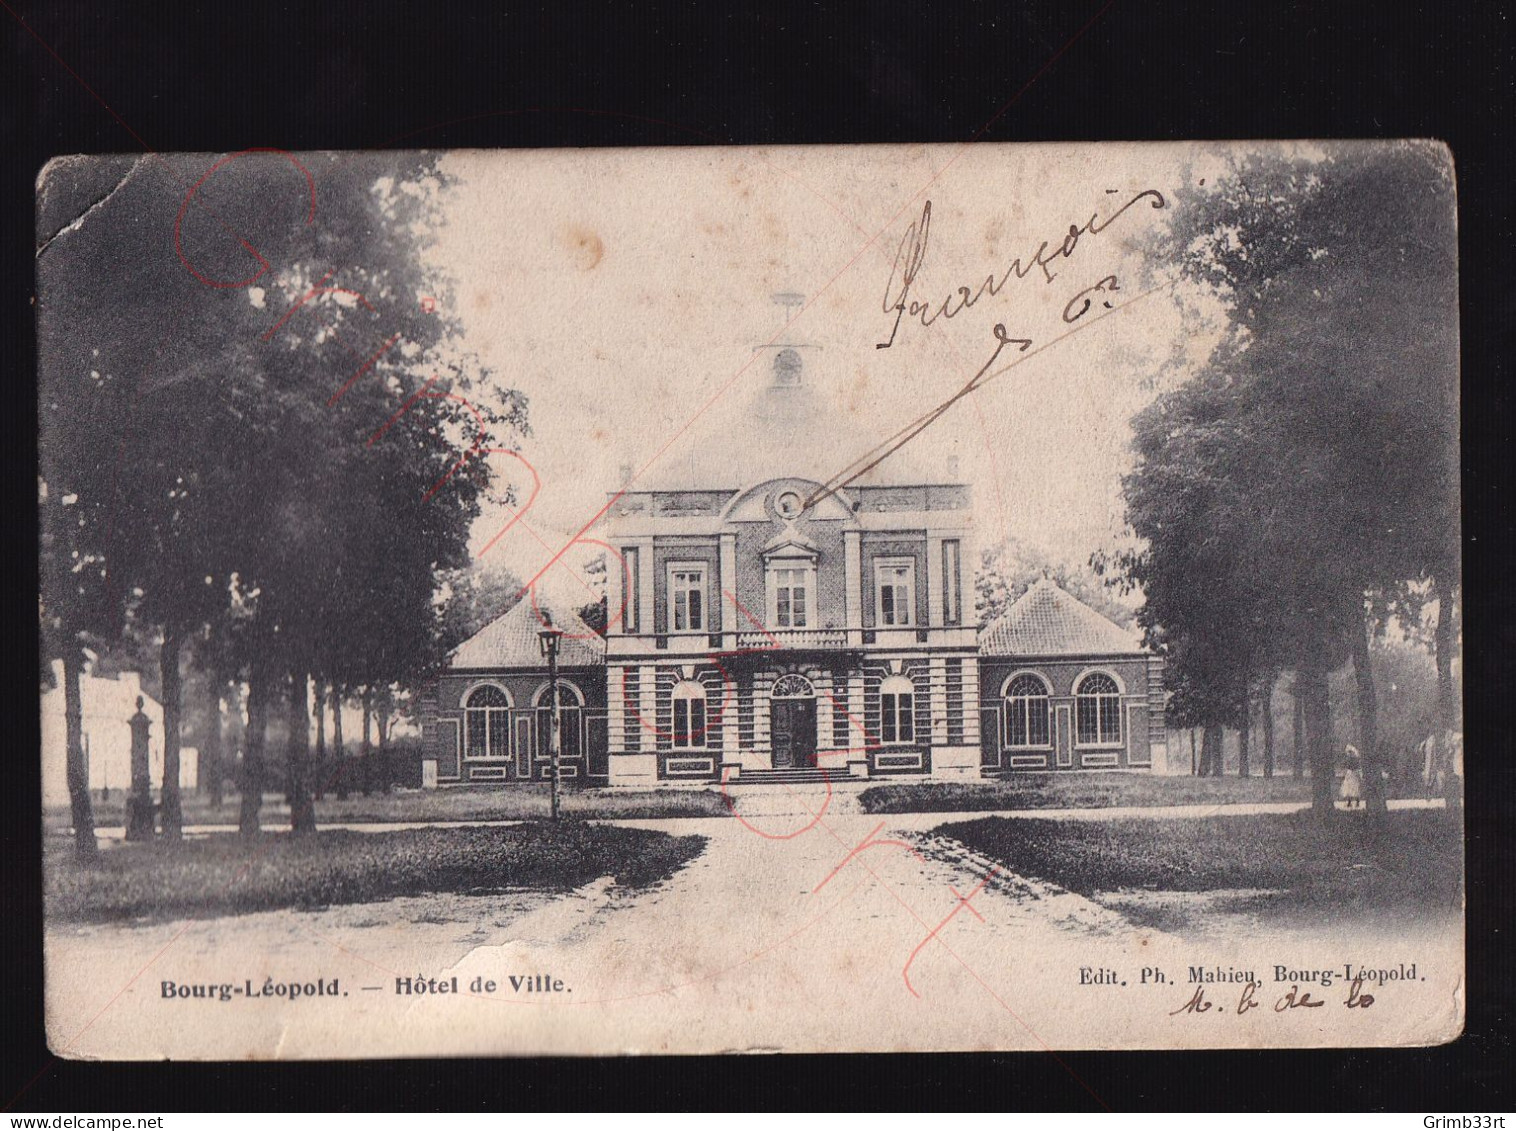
(624, 292)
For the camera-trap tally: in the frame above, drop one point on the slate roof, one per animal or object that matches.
(759, 430)
(510, 641)
(1049, 621)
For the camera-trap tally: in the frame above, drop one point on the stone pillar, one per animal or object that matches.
(139, 803)
(763, 746)
(971, 717)
(852, 572)
(615, 713)
(937, 699)
(615, 590)
(857, 734)
(934, 580)
(726, 582)
(646, 610)
(822, 680)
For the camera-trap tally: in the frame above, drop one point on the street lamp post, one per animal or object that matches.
(549, 637)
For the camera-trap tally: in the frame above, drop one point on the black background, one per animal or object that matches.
(227, 76)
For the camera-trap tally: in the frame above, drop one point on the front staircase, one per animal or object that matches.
(794, 775)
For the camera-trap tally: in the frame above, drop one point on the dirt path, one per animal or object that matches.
(805, 925)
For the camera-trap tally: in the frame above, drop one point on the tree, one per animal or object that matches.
(341, 399)
(1011, 567)
(1319, 446)
(468, 600)
(596, 614)
(1207, 602)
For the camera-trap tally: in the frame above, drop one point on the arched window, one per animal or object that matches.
(487, 714)
(1097, 703)
(689, 715)
(897, 707)
(792, 686)
(570, 714)
(1026, 712)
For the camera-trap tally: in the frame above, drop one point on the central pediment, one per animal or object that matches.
(781, 500)
(790, 543)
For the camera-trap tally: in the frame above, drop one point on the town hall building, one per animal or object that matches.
(762, 629)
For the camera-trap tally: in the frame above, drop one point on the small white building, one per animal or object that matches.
(107, 705)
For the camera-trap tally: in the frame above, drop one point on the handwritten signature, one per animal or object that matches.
(897, 300)
(1293, 998)
(911, 255)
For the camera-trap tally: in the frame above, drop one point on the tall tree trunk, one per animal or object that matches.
(251, 785)
(1268, 725)
(1194, 758)
(209, 774)
(75, 762)
(1447, 700)
(1315, 691)
(1244, 768)
(236, 722)
(168, 673)
(366, 747)
(339, 753)
(1211, 741)
(1369, 754)
(383, 706)
(298, 754)
(1298, 754)
(288, 777)
(321, 769)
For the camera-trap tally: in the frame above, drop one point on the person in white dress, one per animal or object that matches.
(1352, 778)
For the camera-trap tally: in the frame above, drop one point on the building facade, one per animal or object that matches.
(1064, 688)
(489, 716)
(763, 627)
(758, 634)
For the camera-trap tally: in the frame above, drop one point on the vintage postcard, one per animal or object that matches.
(750, 600)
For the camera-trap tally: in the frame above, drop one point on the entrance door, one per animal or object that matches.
(793, 730)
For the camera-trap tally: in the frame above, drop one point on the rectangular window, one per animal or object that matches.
(791, 587)
(1089, 718)
(569, 732)
(950, 610)
(687, 598)
(629, 590)
(895, 588)
(1099, 720)
(897, 720)
(689, 723)
(478, 734)
(1027, 722)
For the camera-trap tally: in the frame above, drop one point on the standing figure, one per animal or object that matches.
(1352, 778)
(139, 803)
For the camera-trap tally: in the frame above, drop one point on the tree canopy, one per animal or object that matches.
(1311, 467)
(254, 397)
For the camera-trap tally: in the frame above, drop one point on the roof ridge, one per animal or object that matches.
(1049, 620)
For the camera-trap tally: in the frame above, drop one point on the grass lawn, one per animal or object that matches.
(453, 803)
(226, 875)
(1078, 791)
(1283, 867)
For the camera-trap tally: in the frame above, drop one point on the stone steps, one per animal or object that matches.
(795, 776)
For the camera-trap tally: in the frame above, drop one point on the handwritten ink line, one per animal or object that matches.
(877, 455)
